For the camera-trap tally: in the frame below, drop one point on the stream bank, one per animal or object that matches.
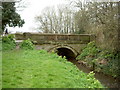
(106, 80)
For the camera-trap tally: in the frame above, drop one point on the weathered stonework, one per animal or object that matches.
(51, 42)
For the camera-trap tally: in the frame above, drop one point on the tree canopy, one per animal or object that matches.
(9, 16)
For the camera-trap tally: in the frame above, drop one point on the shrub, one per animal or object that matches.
(112, 67)
(89, 50)
(105, 54)
(27, 45)
(8, 42)
(102, 60)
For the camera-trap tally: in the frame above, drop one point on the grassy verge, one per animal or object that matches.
(0, 69)
(39, 69)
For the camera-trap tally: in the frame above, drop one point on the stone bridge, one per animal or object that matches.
(69, 45)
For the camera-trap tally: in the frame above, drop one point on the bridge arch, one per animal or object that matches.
(65, 50)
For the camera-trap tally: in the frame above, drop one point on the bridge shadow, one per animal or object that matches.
(69, 54)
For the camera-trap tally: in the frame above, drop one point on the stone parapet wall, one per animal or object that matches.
(55, 38)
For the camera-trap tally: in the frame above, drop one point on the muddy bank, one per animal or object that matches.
(106, 80)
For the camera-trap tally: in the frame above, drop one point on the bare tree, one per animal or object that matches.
(58, 20)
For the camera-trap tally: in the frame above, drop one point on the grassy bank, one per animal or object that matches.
(100, 60)
(39, 69)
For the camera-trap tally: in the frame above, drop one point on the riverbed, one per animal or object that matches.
(106, 80)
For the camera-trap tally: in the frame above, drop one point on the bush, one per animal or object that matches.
(27, 45)
(89, 50)
(8, 42)
(113, 67)
(103, 60)
(105, 55)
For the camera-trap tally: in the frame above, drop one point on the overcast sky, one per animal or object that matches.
(34, 8)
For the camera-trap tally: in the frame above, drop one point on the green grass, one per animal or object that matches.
(39, 69)
(0, 69)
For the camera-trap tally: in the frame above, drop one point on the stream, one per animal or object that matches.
(106, 80)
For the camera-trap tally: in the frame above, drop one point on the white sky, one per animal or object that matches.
(34, 8)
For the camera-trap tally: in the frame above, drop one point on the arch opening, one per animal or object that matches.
(69, 54)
